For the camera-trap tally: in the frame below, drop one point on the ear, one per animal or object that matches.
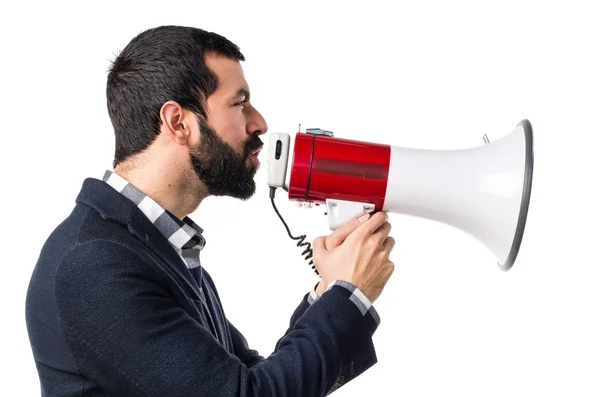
(176, 122)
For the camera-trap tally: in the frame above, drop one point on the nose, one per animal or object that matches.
(256, 125)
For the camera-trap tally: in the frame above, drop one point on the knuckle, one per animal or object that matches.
(382, 256)
(317, 254)
(391, 266)
(319, 259)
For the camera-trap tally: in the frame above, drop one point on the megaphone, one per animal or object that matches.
(483, 191)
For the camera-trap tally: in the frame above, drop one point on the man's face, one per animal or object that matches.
(226, 158)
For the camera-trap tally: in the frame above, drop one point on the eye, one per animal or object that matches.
(241, 103)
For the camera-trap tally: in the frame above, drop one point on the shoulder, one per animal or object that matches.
(98, 263)
(100, 251)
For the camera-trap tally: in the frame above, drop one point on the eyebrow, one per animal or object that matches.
(244, 92)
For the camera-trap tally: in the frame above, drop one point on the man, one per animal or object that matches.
(118, 303)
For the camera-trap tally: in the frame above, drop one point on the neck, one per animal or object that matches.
(173, 187)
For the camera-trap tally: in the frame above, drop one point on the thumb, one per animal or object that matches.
(319, 250)
(319, 244)
(339, 235)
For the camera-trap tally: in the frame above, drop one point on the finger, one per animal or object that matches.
(340, 234)
(383, 232)
(319, 244)
(389, 244)
(318, 251)
(369, 227)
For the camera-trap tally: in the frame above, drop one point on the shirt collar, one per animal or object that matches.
(182, 234)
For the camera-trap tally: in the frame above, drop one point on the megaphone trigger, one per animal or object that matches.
(342, 211)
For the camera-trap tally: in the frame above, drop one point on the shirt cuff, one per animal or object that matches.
(357, 297)
(312, 296)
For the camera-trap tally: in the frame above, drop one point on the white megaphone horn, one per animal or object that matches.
(483, 191)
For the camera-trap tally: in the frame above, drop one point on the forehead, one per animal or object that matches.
(229, 73)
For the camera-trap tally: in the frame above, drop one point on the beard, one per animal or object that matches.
(222, 170)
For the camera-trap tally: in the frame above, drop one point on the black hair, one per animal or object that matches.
(160, 64)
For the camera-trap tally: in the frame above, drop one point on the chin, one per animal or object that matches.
(245, 193)
(248, 194)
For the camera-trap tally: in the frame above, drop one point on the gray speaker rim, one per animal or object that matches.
(527, 182)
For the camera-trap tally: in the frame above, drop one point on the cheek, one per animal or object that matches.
(233, 129)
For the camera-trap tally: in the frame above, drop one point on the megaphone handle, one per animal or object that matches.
(342, 211)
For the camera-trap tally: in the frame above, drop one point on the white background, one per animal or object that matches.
(433, 75)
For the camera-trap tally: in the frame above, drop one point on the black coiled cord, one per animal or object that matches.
(308, 252)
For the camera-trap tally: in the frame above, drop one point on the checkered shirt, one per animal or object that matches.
(357, 297)
(185, 236)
